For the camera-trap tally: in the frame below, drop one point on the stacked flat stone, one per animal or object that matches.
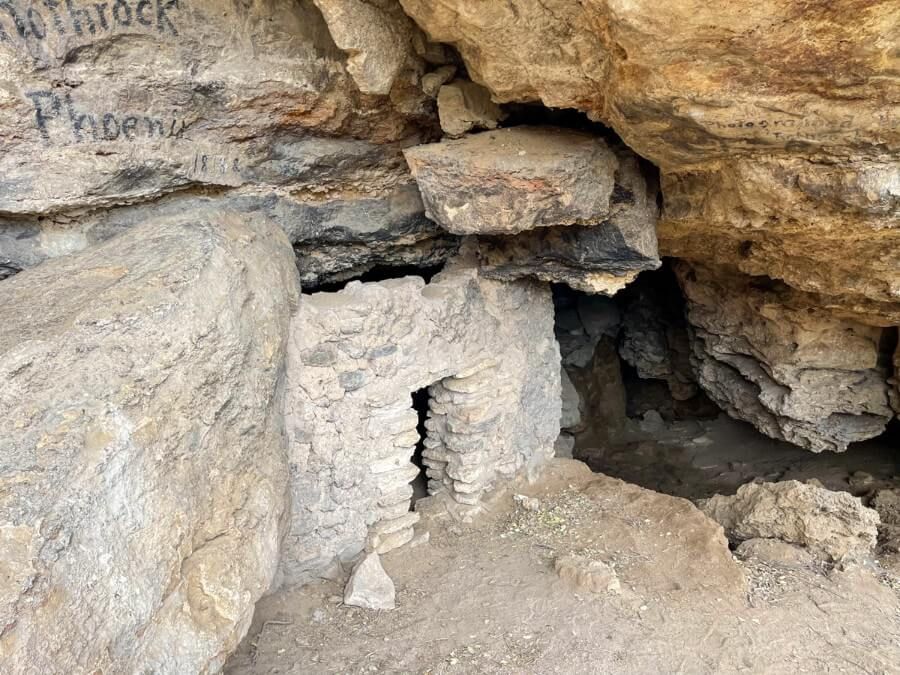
(393, 471)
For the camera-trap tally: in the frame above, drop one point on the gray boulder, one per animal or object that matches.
(143, 468)
(581, 212)
(794, 367)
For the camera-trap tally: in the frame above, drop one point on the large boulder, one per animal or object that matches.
(784, 361)
(834, 525)
(547, 203)
(143, 471)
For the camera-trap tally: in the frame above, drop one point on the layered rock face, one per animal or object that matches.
(777, 358)
(547, 203)
(142, 466)
(776, 126)
(486, 352)
(115, 113)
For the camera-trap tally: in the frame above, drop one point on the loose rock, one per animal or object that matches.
(369, 586)
(831, 524)
(464, 106)
(585, 574)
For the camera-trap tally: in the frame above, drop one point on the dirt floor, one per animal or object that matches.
(485, 597)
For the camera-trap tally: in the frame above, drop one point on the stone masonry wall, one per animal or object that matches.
(486, 350)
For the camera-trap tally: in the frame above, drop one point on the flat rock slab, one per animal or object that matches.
(514, 180)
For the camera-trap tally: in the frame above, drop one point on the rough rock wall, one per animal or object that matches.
(777, 358)
(776, 125)
(142, 465)
(487, 353)
(116, 112)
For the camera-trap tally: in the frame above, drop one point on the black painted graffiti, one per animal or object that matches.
(64, 17)
(58, 119)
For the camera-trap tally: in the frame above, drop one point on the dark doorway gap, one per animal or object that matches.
(7, 271)
(420, 402)
(375, 274)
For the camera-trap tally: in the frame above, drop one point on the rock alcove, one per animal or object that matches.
(267, 268)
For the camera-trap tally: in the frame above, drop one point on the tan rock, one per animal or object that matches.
(778, 152)
(682, 82)
(377, 40)
(774, 552)
(433, 81)
(585, 574)
(831, 524)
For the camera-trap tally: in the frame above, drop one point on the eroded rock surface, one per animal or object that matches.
(833, 524)
(486, 352)
(777, 358)
(776, 126)
(143, 471)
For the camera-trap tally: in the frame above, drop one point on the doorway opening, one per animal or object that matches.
(420, 402)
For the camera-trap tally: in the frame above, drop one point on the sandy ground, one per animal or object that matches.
(484, 597)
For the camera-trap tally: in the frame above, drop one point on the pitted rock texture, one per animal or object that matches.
(775, 357)
(143, 468)
(831, 228)
(653, 337)
(682, 81)
(578, 211)
(487, 353)
(834, 525)
(776, 126)
(113, 111)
